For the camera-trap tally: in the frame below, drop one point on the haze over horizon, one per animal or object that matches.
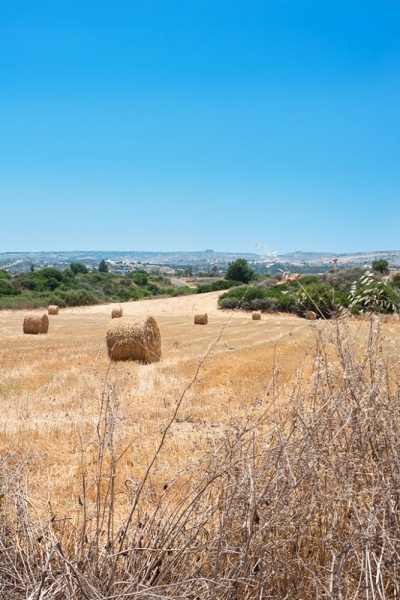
(200, 124)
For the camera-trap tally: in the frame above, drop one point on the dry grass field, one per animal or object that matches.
(51, 385)
(99, 458)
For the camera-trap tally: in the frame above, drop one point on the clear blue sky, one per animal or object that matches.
(193, 124)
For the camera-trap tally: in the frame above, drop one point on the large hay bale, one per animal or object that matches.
(117, 313)
(201, 319)
(36, 323)
(53, 309)
(310, 315)
(134, 338)
(256, 316)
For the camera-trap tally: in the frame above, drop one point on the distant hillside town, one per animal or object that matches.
(175, 263)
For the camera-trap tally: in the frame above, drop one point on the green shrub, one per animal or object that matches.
(140, 278)
(125, 295)
(74, 298)
(183, 291)
(228, 302)
(257, 298)
(285, 299)
(373, 296)
(153, 289)
(265, 304)
(47, 279)
(7, 289)
(307, 279)
(77, 267)
(4, 274)
(239, 270)
(237, 292)
(125, 282)
(381, 266)
(318, 297)
(216, 286)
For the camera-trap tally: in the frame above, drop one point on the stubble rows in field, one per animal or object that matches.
(51, 385)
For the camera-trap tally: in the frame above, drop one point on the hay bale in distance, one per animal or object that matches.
(256, 316)
(310, 315)
(36, 323)
(53, 309)
(134, 338)
(116, 313)
(201, 319)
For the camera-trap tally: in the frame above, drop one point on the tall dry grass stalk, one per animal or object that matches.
(299, 498)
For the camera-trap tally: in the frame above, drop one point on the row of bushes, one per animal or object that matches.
(77, 287)
(217, 286)
(326, 295)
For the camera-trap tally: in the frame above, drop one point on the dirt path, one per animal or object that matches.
(171, 307)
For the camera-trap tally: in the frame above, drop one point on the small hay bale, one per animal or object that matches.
(116, 313)
(256, 316)
(201, 319)
(53, 309)
(310, 315)
(36, 323)
(134, 338)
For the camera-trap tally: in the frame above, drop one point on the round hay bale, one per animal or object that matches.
(310, 315)
(256, 316)
(201, 319)
(36, 323)
(116, 313)
(53, 309)
(134, 338)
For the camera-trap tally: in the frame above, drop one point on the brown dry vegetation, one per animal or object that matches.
(270, 469)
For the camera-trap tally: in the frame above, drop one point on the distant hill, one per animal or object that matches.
(21, 261)
(348, 259)
(120, 261)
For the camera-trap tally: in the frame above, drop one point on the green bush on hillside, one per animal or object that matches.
(77, 286)
(381, 266)
(216, 286)
(318, 297)
(257, 298)
(239, 270)
(7, 289)
(77, 267)
(325, 295)
(47, 279)
(370, 295)
(140, 278)
(73, 298)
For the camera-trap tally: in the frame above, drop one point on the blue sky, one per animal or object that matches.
(193, 124)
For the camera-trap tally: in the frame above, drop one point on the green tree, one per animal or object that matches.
(103, 266)
(239, 270)
(381, 265)
(77, 267)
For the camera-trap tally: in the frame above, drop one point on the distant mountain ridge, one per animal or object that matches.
(299, 260)
(353, 258)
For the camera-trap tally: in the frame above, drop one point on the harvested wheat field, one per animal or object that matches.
(46, 382)
(217, 438)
